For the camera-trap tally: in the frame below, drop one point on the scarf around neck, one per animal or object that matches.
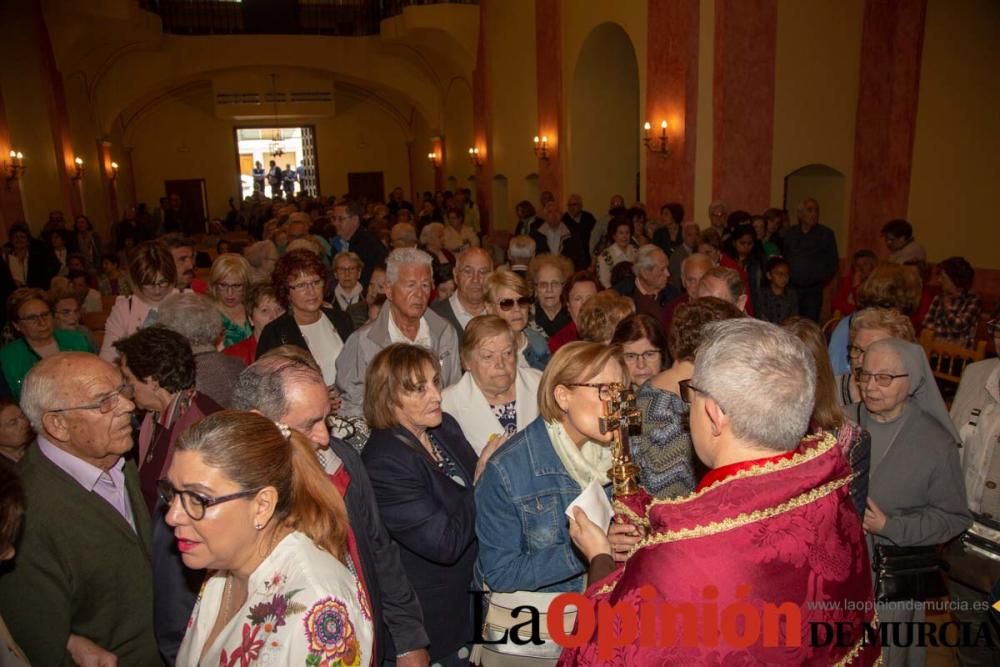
(584, 464)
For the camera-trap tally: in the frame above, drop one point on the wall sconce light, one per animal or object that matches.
(658, 144)
(542, 147)
(14, 169)
(78, 171)
(474, 156)
(433, 157)
(114, 172)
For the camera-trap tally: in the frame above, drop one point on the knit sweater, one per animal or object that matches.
(663, 451)
(80, 569)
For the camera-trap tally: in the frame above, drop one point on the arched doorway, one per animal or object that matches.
(827, 186)
(604, 118)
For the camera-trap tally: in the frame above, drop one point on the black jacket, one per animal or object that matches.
(581, 229)
(392, 597)
(371, 251)
(432, 518)
(285, 331)
(573, 246)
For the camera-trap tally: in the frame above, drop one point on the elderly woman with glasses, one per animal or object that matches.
(526, 486)
(31, 315)
(548, 274)
(868, 326)
(348, 294)
(643, 342)
(153, 274)
(422, 470)
(496, 396)
(227, 285)
(299, 281)
(916, 494)
(248, 501)
(158, 365)
(508, 297)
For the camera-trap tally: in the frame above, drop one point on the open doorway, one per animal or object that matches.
(277, 161)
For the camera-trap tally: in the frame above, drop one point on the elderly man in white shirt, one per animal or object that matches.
(405, 318)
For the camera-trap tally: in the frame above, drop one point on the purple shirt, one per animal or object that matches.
(109, 485)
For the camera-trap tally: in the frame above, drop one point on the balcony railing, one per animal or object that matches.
(279, 17)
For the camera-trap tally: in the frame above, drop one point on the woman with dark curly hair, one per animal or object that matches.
(159, 365)
(954, 313)
(663, 451)
(299, 284)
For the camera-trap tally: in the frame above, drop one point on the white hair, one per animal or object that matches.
(44, 388)
(761, 376)
(645, 257)
(193, 316)
(521, 247)
(401, 256)
(429, 230)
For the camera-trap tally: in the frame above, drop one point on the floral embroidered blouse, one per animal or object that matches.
(304, 607)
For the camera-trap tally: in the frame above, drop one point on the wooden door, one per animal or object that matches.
(246, 164)
(369, 185)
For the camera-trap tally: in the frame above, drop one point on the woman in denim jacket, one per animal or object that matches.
(526, 486)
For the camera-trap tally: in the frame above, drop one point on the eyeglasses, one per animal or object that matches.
(38, 317)
(553, 284)
(159, 284)
(308, 285)
(507, 304)
(855, 352)
(881, 379)
(195, 504)
(603, 388)
(106, 404)
(686, 388)
(648, 357)
(229, 287)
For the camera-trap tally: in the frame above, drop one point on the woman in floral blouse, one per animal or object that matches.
(954, 313)
(248, 499)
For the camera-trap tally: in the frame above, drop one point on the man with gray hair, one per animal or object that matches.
(472, 266)
(196, 318)
(520, 252)
(82, 591)
(648, 287)
(690, 238)
(692, 269)
(724, 283)
(286, 386)
(404, 318)
(403, 235)
(773, 500)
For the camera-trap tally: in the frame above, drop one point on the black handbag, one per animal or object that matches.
(908, 573)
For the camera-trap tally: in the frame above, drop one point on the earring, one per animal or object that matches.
(258, 526)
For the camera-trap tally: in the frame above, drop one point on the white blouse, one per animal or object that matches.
(304, 607)
(611, 257)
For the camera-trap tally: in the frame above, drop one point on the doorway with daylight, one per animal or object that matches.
(279, 162)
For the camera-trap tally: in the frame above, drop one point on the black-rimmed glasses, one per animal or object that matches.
(106, 404)
(195, 504)
(881, 379)
(686, 388)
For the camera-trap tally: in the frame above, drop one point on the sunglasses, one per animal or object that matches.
(507, 304)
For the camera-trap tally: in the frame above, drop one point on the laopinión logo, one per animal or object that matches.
(738, 624)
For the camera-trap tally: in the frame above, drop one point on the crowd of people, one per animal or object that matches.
(309, 447)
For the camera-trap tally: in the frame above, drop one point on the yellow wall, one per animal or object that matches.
(26, 94)
(816, 98)
(180, 138)
(956, 154)
(704, 130)
(513, 113)
(587, 177)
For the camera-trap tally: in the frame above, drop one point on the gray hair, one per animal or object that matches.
(261, 385)
(350, 256)
(464, 256)
(761, 376)
(430, 229)
(696, 257)
(645, 257)
(521, 247)
(257, 253)
(306, 243)
(45, 386)
(401, 256)
(193, 316)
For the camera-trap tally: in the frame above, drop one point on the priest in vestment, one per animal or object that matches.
(765, 563)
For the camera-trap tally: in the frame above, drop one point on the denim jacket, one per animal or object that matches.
(521, 497)
(536, 353)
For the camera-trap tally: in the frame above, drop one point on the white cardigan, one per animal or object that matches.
(466, 403)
